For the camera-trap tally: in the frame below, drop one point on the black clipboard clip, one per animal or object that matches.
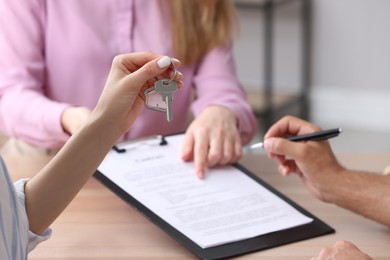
(163, 142)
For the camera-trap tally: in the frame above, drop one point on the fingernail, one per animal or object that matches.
(284, 171)
(200, 174)
(164, 62)
(268, 144)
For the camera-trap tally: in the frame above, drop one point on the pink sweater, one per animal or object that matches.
(56, 54)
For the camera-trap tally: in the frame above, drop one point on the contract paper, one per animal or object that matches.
(226, 206)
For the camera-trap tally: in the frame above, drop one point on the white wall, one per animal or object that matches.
(351, 59)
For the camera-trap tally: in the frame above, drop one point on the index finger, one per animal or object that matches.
(201, 148)
(290, 126)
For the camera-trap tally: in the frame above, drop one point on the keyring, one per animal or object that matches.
(174, 71)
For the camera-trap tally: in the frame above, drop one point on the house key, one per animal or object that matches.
(159, 97)
(166, 88)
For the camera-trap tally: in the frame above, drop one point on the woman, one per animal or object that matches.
(58, 53)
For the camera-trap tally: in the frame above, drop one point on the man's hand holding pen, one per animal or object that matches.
(314, 161)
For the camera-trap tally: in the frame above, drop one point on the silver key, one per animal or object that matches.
(159, 97)
(166, 88)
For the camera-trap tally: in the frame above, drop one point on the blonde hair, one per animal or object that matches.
(200, 25)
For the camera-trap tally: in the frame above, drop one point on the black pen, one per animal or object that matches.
(316, 136)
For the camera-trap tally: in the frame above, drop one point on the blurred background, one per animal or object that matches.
(327, 61)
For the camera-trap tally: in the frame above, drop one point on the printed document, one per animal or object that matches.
(226, 206)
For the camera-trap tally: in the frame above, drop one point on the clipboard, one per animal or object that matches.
(313, 229)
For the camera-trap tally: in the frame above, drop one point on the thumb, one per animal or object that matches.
(150, 70)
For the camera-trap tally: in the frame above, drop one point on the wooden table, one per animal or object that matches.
(99, 225)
